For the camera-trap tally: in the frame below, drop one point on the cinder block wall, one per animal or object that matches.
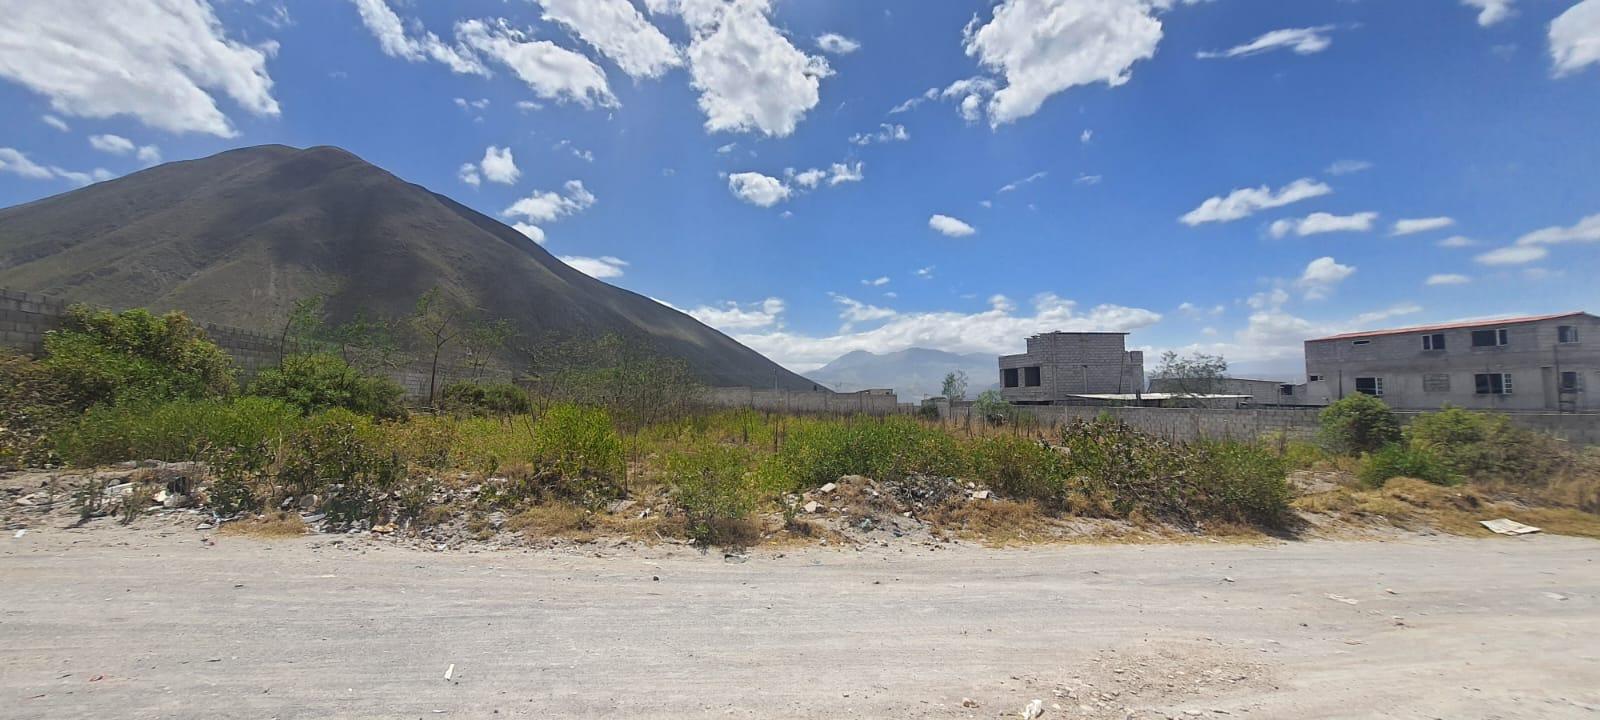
(808, 403)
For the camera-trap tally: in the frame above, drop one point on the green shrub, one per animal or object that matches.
(1019, 468)
(102, 356)
(1359, 423)
(1484, 446)
(178, 430)
(821, 451)
(716, 490)
(340, 456)
(320, 382)
(1239, 482)
(581, 448)
(1119, 472)
(1398, 460)
(33, 405)
(491, 399)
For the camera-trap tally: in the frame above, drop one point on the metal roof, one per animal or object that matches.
(1487, 322)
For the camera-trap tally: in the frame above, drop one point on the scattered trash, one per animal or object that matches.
(812, 507)
(1033, 709)
(967, 702)
(1226, 578)
(825, 489)
(1555, 596)
(20, 533)
(981, 495)
(1343, 599)
(1504, 526)
(450, 672)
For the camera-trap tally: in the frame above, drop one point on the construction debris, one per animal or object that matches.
(1504, 526)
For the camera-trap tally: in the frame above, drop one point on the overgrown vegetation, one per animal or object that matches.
(320, 381)
(102, 357)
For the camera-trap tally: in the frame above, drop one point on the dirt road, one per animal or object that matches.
(147, 623)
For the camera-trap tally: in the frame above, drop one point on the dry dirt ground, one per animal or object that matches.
(160, 620)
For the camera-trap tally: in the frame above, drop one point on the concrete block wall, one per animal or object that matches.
(866, 402)
(1076, 363)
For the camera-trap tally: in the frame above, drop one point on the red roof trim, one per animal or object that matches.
(1493, 322)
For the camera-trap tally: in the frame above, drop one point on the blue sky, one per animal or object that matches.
(1230, 176)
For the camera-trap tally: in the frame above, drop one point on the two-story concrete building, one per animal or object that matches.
(1060, 365)
(1546, 362)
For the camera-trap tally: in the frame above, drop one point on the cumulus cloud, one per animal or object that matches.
(950, 227)
(1575, 38)
(533, 232)
(551, 71)
(17, 163)
(498, 166)
(114, 144)
(757, 189)
(840, 173)
(1490, 11)
(1303, 41)
(1044, 47)
(1321, 222)
(1322, 276)
(619, 31)
(469, 174)
(836, 44)
(1448, 279)
(1409, 227)
(877, 281)
(417, 46)
(545, 206)
(1534, 246)
(999, 329)
(596, 267)
(731, 316)
(886, 133)
(749, 76)
(162, 63)
(1244, 202)
(1513, 255)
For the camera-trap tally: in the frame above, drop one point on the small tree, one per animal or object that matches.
(301, 327)
(1197, 374)
(992, 407)
(366, 343)
(955, 386)
(1359, 423)
(485, 340)
(437, 321)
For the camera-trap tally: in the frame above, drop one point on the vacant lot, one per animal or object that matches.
(151, 621)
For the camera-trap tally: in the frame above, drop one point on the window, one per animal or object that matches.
(1370, 386)
(1436, 383)
(1433, 342)
(1286, 389)
(1493, 383)
(1489, 338)
(1008, 377)
(1567, 334)
(1030, 377)
(1571, 381)
(1314, 378)
(1361, 342)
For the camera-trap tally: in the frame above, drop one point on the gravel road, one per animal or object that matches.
(151, 622)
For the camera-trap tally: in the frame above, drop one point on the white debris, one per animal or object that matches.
(450, 671)
(1504, 526)
(20, 533)
(825, 489)
(1343, 599)
(1033, 709)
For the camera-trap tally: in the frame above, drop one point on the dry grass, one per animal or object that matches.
(1414, 504)
(553, 520)
(272, 525)
(996, 523)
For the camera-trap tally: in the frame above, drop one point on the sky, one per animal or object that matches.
(815, 177)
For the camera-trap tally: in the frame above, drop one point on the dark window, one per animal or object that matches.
(1314, 378)
(1493, 383)
(1433, 342)
(1286, 389)
(1361, 342)
(1008, 377)
(1489, 338)
(1571, 381)
(1370, 386)
(1567, 334)
(1030, 377)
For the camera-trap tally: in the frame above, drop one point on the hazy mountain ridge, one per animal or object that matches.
(912, 373)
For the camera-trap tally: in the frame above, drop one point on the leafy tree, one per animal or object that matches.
(1197, 374)
(485, 340)
(1359, 423)
(320, 381)
(955, 386)
(302, 327)
(625, 375)
(991, 407)
(366, 343)
(101, 356)
(437, 321)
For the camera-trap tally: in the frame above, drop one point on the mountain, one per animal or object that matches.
(912, 373)
(237, 237)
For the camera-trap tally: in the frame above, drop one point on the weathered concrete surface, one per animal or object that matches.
(146, 623)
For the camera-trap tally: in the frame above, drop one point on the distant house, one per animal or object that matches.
(1059, 366)
(1258, 392)
(1544, 362)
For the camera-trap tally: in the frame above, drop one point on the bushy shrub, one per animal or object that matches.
(1117, 471)
(820, 451)
(486, 399)
(33, 404)
(320, 382)
(1483, 446)
(716, 491)
(1399, 460)
(178, 430)
(1019, 468)
(581, 448)
(340, 456)
(101, 356)
(1359, 423)
(1239, 482)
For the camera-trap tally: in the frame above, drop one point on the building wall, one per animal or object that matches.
(1414, 378)
(867, 402)
(1261, 392)
(1075, 363)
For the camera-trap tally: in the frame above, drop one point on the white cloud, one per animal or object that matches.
(1348, 167)
(750, 77)
(836, 44)
(1086, 136)
(158, 62)
(469, 174)
(1456, 241)
(114, 144)
(1083, 179)
(950, 226)
(1321, 222)
(546, 206)
(1490, 11)
(757, 189)
(149, 154)
(1575, 38)
(551, 71)
(599, 268)
(1044, 47)
(997, 330)
(1408, 227)
(498, 166)
(1586, 230)
(926, 273)
(55, 122)
(619, 31)
(1012, 186)
(1244, 202)
(1303, 41)
(725, 149)
(466, 104)
(732, 316)
(1513, 255)
(1448, 279)
(854, 311)
(534, 232)
(843, 173)
(17, 163)
(1322, 276)
(810, 178)
(886, 133)
(390, 31)
(876, 282)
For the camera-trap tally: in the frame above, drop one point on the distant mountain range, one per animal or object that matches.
(912, 373)
(237, 237)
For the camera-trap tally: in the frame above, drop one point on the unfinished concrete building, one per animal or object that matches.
(1547, 362)
(1060, 368)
